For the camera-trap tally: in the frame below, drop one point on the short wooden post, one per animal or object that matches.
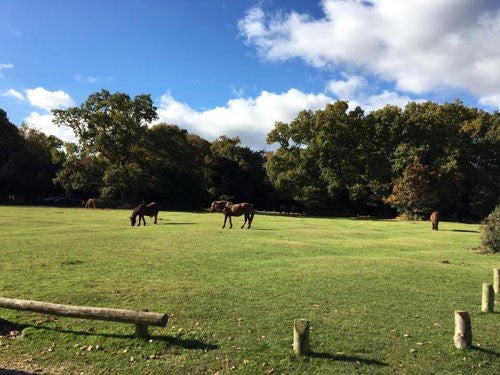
(496, 280)
(301, 336)
(463, 330)
(141, 330)
(488, 298)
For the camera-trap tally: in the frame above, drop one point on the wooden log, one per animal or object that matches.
(96, 313)
(301, 343)
(488, 298)
(463, 330)
(496, 280)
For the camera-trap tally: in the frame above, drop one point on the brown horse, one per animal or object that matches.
(90, 203)
(230, 209)
(142, 210)
(435, 220)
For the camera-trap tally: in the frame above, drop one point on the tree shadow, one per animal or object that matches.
(347, 358)
(172, 341)
(486, 351)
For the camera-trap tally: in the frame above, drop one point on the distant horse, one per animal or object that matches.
(230, 209)
(435, 220)
(142, 210)
(90, 203)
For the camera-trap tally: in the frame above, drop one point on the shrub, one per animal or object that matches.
(490, 232)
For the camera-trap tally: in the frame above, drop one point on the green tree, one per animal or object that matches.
(112, 126)
(237, 173)
(12, 153)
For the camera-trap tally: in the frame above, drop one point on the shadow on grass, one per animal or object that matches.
(459, 230)
(265, 229)
(178, 223)
(7, 327)
(5, 371)
(347, 358)
(486, 351)
(172, 341)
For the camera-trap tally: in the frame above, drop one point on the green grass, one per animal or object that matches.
(377, 293)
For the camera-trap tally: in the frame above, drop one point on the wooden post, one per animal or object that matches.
(141, 330)
(496, 280)
(488, 298)
(463, 330)
(301, 336)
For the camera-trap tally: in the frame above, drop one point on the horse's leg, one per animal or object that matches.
(244, 221)
(437, 223)
(225, 219)
(156, 218)
(230, 222)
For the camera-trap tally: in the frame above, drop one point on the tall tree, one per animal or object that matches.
(112, 126)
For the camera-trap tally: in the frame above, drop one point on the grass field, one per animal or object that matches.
(380, 294)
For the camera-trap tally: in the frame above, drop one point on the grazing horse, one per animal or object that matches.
(142, 210)
(230, 209)
(90, 203)
(435, 220)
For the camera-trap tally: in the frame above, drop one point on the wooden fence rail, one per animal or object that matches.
(141, 319)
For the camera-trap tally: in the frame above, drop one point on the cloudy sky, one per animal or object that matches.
(234, 67)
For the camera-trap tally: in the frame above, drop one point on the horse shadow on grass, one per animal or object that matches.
(347, 358)
(179, 223)
(170, 340)
(460, 230)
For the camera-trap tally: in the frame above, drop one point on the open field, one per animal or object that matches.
(377, 293)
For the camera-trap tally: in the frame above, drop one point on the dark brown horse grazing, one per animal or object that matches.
(435, 220)
(90, 203)
(142, 210)
(230, 209)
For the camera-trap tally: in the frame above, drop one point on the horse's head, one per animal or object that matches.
(217, 205)
(132, 220)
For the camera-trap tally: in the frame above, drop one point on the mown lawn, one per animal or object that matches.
(380, 294)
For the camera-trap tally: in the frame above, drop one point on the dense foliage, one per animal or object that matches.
(337, 161)
(490, 232)
(421, 158)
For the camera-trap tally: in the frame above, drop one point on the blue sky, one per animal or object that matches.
(235, 67)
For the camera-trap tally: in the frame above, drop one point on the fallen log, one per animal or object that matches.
(140, 318)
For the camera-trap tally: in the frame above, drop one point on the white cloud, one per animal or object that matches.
(420, 45)
(48, 100)
(249, 118)
(5, 66)
(491, 101)
(353, 89)
(13, 94)
(43, 122)
(345, 89)
(88, 79)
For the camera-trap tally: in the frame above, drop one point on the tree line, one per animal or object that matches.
(335, 161)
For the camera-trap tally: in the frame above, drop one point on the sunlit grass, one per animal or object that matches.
(380, 295)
